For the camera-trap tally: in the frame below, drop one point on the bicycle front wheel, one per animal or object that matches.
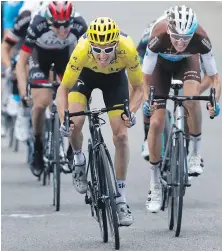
(56, 163)
(179, 178)
(111, 207)
(98, 190)
(171, 183)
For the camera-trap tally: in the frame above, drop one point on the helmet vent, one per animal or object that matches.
(96, 37)
(108, 36)
(102, 38)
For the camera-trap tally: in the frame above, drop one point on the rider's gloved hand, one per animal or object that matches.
(27, 101)
(129, 122)
(211, 109)
(132, 119)
(217, 111)
(146, 108)
(63, 130)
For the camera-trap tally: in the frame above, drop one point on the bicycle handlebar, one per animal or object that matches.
(210, 98)
(96, 112)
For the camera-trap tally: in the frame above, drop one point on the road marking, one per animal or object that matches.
(26, 216)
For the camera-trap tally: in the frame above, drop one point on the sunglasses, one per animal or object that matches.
(58, 25)
(99, 50)
(178, 37)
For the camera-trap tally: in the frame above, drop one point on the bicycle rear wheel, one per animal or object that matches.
(56, 163)
(111, 207)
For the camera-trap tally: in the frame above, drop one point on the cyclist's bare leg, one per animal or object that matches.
(41, 99)
(192, 88)
(205, 84)
(120, 140)
(76, 138)
(154, 197)
(121, 161)
(154, 136)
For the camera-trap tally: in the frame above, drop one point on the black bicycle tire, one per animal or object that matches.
(11, 131)
(171, 213)
(102, 188)
(111, 195)
(179, 209)
(44, 174)
(56, 165)
(172, 167)
(46, 167)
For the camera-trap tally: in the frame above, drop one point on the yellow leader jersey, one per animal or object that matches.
(126, 57)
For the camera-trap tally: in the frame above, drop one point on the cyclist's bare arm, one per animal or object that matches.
(21, 71)
(216, 83)
(205, 83)
(136, 97)
(211, 70)
(62, 101)
(149, 64)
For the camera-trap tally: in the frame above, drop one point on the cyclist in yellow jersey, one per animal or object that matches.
(100, 60)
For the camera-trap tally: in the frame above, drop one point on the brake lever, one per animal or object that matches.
(66, 119)
(28, 90)
(151, 95)
(213, 100)
(126, 109)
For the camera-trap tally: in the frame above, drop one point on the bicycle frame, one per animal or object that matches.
(176, 126)
(97, 139)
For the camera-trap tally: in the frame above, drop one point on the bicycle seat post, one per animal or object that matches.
(177, 86)
(54, 73)
(54, 81)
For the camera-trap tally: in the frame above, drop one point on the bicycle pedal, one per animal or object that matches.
(88, 200)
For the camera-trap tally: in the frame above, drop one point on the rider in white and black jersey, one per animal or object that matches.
(51, 37)
(173, 50)
(141, 48)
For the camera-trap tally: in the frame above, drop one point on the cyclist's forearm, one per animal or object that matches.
(217, 85)
(6, 60)
(205, 83)
(62, 101)
(146, 85)
(21, 74)
(136, 98)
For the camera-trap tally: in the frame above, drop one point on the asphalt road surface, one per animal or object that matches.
(29, 221)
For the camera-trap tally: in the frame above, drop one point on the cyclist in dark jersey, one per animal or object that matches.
(50, 38)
